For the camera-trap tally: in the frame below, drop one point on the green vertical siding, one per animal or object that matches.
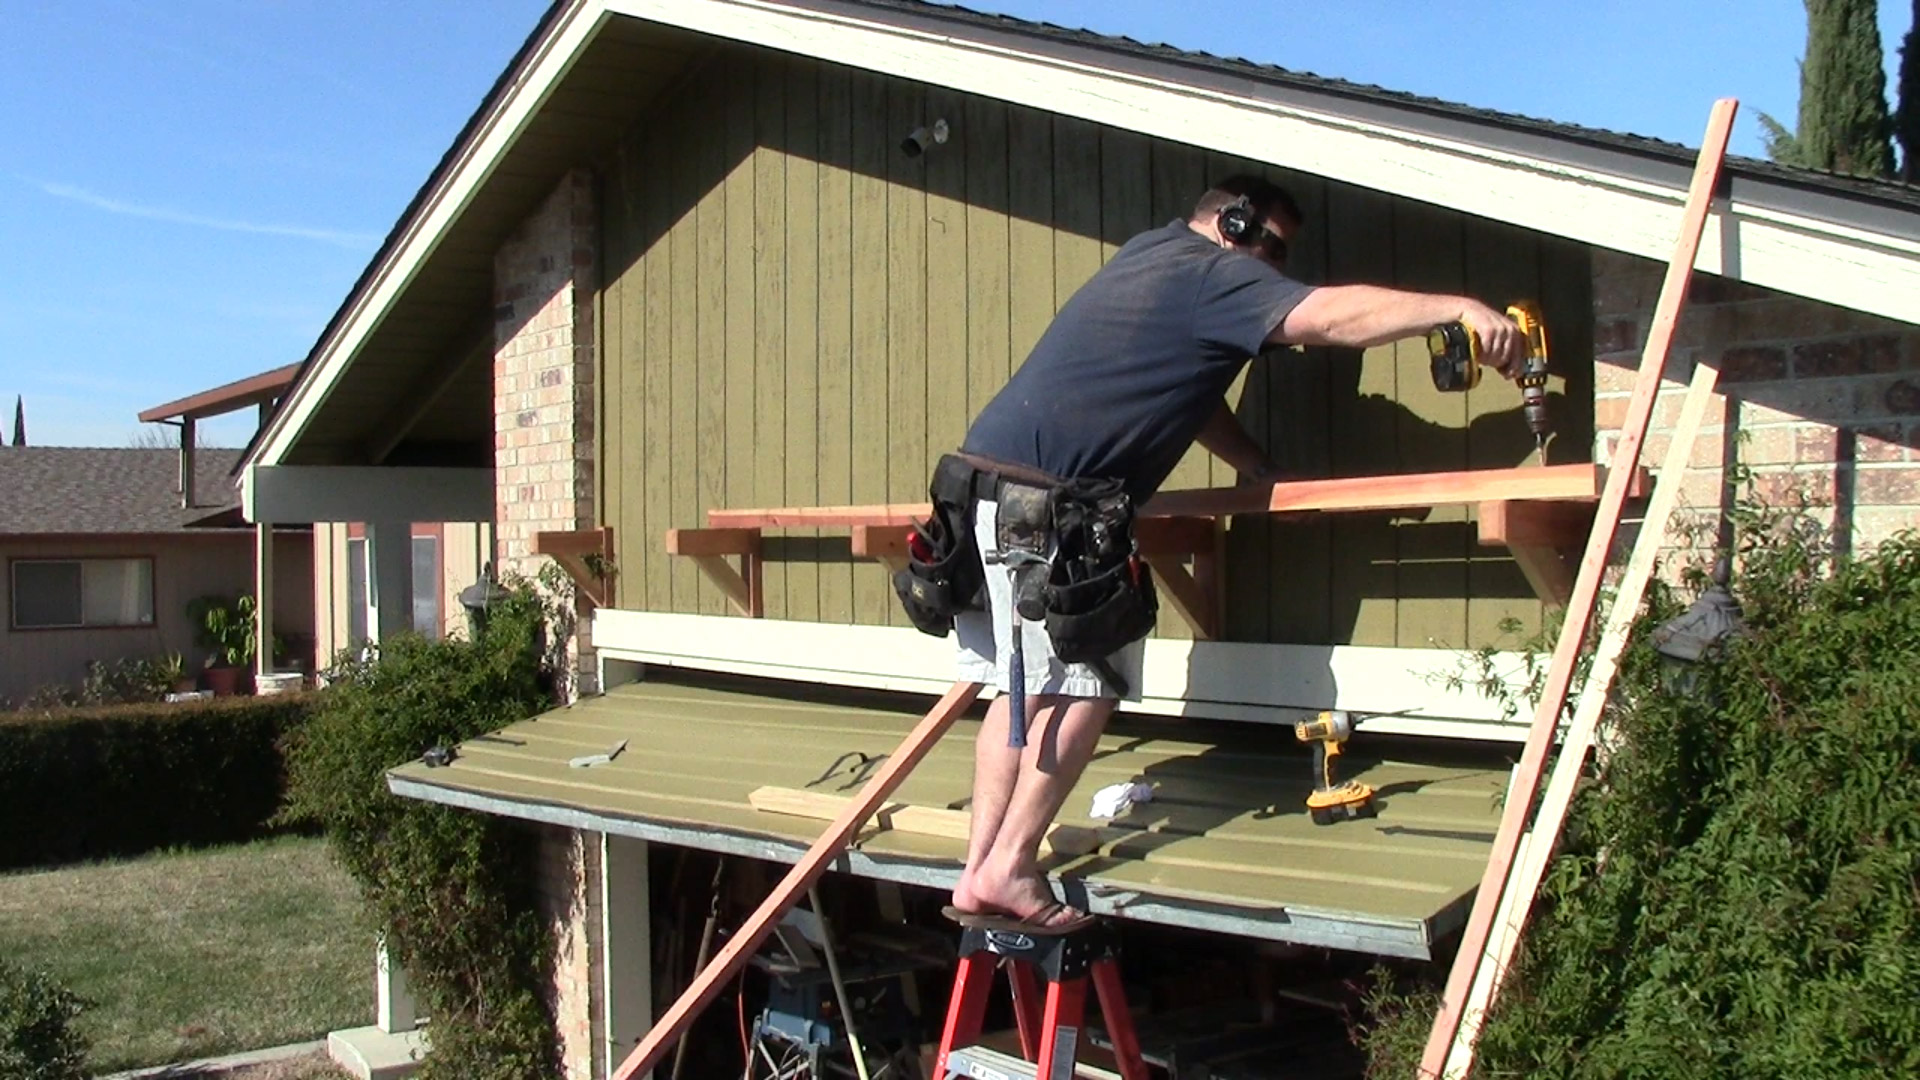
(794, 312)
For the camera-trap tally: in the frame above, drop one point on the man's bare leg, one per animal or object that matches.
(1002, 872)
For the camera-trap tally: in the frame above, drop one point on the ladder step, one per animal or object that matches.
(981, 1063)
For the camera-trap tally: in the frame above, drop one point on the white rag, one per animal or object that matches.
(1112, 801)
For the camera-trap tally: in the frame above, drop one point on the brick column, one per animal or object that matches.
(569, 900)
(543, 382)
(1820, 401)
(543, 405)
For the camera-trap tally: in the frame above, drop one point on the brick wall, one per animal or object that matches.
(569, 899)
(543, 394)
(543, 381)
(1816, 400)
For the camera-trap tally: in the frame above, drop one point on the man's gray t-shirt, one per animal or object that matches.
(1137, 360)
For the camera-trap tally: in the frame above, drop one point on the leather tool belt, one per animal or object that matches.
(1070, 544)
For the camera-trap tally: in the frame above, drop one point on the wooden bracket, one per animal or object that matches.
(745, 588)
(1198, 596)
(587, 557)
(887, 543)
(1546, 539)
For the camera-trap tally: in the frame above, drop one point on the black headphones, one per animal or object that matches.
(1239, 225)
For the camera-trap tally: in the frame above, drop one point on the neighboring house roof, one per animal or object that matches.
(62, 490)
(591, 66)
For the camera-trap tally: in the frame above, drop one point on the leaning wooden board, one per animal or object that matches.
(805, 873)
(1566, 653)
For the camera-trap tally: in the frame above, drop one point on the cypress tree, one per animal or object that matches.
(1906, 122)
(1844, 126)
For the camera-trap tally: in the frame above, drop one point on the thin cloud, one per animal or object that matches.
(336, 237)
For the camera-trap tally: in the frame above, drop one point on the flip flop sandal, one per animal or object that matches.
(1008, 924)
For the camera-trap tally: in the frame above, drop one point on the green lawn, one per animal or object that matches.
(192, 954)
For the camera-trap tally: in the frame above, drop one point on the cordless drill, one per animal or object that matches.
(1332, 800)
(1455, 349)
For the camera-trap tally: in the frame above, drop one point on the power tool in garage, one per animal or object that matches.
(1455, 349)
(1332, 800)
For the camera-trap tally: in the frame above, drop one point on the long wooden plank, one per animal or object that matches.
(740, 948)
(1524, 885)
(941, 821)
(1353, 494)
(1566, 653)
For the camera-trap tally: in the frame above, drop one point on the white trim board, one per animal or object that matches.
(1210, 679)
(309, 494)
(1793, 253)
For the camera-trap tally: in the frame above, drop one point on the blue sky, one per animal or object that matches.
(189, 188)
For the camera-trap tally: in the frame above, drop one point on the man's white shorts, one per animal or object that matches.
(986, 637)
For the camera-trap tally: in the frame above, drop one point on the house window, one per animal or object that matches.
(74, 593)
(426, 588)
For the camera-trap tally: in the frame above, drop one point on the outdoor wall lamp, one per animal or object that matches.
(479, 597)
(920, 138)
(1699, 631)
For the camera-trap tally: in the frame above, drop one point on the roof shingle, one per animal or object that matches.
(69, 490)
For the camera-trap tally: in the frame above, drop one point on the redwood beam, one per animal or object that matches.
(1580, 483)
(805, 874)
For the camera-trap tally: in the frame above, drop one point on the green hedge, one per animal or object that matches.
(119, 780)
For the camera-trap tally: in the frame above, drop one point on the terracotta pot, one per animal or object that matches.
(227, 681)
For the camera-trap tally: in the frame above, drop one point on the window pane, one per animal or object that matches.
(426, 586)
(356, 592)
(46, 594)
(117, 592)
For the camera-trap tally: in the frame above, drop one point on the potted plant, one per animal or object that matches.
(226, 631)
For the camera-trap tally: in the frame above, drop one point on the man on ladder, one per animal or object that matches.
(1032, 517)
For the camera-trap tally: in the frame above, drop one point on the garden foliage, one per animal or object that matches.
(121, 780)
(1738, 892)
(451, 890)
(37, 1037)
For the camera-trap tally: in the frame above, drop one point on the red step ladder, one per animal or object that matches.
(1050, 1029)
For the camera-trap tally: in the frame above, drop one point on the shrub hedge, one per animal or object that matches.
(120, 780)
(452, 891)
(37, 1038)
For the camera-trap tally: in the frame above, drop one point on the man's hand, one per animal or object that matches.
(1502, 346)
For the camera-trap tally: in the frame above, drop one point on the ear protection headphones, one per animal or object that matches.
(1238, 223)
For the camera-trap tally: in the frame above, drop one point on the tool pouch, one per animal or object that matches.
(1100, 596)
(1023, 531)
(942, 577)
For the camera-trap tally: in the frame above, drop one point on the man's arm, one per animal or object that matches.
(1227, 439)
(1362, 316)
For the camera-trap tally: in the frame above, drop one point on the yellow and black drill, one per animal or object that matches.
(1455, 349)
(1332, 800)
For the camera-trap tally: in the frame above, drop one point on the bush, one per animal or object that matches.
(1737, 892)
(120, 780)
(453, 891)
(37, 1038)
(117, 682)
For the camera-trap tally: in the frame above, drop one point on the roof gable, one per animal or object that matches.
(1840, 241)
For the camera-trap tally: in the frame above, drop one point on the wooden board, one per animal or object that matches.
(805, 873)
(1573, 630)
(1530, 865)
(1350, 494)
(1067, 840)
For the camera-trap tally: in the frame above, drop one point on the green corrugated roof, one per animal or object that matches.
(1226, 839)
